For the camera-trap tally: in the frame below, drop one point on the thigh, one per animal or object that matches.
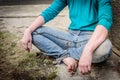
(61, 38)
(47, 46)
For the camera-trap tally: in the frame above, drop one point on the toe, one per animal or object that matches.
(69, 68)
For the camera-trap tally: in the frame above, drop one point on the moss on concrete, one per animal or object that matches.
(17, 64)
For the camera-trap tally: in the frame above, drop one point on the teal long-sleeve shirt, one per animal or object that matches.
(84, 14)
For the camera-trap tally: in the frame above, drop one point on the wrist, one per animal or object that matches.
(28, 30)
(88, 49)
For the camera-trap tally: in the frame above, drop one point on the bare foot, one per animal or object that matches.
(71, 64)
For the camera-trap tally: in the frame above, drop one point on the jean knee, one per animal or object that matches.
(40, 30)
(102, 52)
(36, 33)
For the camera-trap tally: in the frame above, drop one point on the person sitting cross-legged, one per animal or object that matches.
(85, 42)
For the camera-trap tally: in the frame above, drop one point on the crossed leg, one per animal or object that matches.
(54, 43)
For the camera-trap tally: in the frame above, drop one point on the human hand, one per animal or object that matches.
(27, 40)
(84, 64)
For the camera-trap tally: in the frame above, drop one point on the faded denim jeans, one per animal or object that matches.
(61, 44)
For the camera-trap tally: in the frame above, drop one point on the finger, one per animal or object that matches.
(85, 69)
(82, 69)
(79, 69)
(25, 45)
(89, 69)
(30, 45)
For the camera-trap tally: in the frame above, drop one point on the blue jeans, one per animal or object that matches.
(61, 44)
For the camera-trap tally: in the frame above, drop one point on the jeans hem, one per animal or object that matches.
(59, 60)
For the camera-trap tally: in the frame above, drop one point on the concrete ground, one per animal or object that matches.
(16, 18)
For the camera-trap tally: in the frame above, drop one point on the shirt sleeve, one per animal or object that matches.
(53, 10)
(105, 13)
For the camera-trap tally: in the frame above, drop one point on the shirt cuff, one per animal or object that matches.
(105, 23)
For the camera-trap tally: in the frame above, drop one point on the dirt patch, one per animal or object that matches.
(17, 64)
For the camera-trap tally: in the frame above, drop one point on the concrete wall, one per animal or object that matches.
(115, 31)
(24, 2)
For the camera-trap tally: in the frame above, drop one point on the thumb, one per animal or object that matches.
(30, 45)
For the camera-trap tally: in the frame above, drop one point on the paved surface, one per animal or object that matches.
(16, 18)
(19, 17)
(104, 71)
